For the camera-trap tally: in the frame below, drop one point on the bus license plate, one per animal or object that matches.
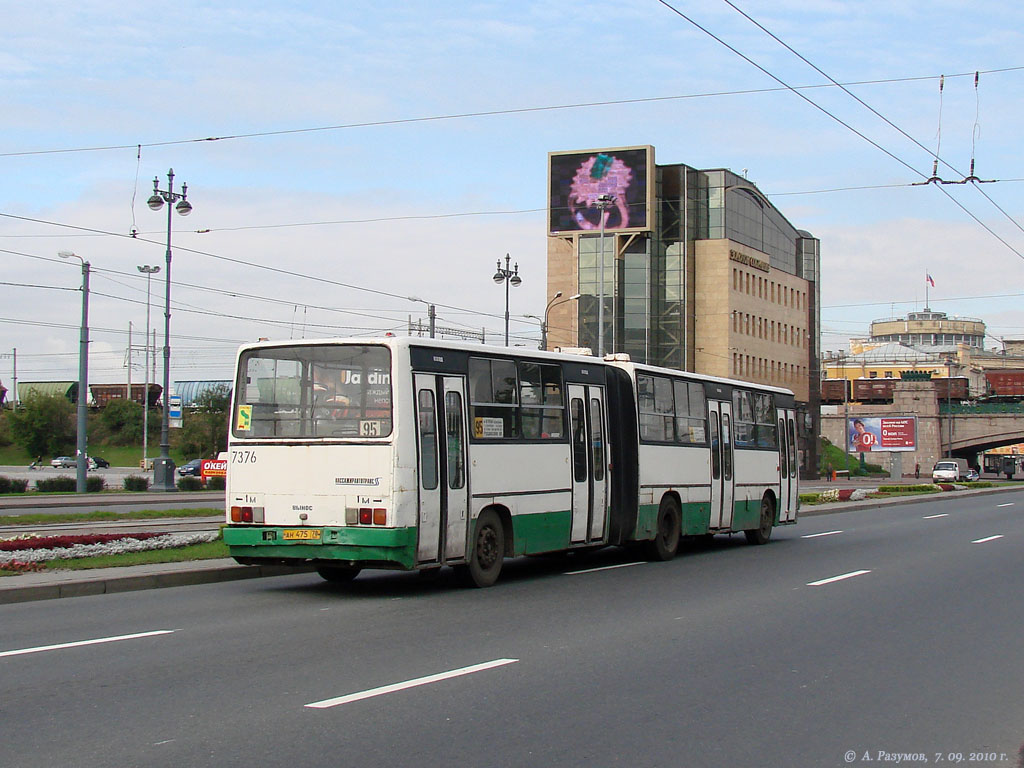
(301, 534)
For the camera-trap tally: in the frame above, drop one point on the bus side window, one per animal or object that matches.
(454, 440)
(428, 440)
(579, 440)
(716, 449)
(726, 448)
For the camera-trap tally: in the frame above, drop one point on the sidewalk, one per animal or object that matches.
(47, 585)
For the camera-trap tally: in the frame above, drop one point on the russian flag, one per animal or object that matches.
(930, 281)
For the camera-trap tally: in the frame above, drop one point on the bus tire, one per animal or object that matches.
(337, 574)
(763, 532)
(666, 539)
(488, 550)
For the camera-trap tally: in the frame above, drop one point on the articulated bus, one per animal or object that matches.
(413, 454)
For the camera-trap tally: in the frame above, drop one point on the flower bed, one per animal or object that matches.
(17, 553)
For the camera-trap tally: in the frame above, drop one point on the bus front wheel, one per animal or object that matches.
(763, 532)
(488, 551)
(666, 540)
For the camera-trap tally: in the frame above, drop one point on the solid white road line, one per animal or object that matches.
(409, 684)
(837, 578)
(603, 568)
(987, 538)
(816, 535)
(97, 641)
(932, 517)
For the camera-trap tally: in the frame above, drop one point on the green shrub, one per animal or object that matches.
(215, 484)
(59, 484)
(190, 483)
(136, 483)
(95, 484)
(12, 485)
(923, 488)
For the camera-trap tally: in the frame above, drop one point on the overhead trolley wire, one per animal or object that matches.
(837, 119)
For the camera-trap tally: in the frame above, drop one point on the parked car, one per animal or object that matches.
(972, 475)
(190, 468)
(63, 462)
(946, 471)
(98, 462)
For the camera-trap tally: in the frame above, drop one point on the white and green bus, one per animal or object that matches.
(414, 454)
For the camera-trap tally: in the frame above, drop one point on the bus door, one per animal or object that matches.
(588, 429)
(789, 490)
(720, 421)
(441, 451)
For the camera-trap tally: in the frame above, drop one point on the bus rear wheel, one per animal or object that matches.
(488, 550)
(666, 540)
(337, 574)
(763, 532)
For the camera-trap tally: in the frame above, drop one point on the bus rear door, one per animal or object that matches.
(588, 429)
(720, 419)
(441, 425)
(789, 490)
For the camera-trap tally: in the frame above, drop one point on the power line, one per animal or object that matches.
(486, 113)
(882, 117)
(837, 119)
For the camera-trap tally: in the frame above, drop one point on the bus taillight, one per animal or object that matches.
(366, 516)
(247, 514)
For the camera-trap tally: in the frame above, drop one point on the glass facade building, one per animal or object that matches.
(679, 295)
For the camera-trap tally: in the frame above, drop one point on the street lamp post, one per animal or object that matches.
(431, 313)
(148, 271)
(508, 277)
(547, 310)
(163, 470)
(81, 448)
(603, 203)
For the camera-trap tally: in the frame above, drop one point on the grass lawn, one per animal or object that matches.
(211, 550)
(207, 551)
(100, 516)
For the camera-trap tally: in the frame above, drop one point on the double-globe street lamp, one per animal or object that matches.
(508, 277)
(163, 467)
(148, 271)
(81, 446)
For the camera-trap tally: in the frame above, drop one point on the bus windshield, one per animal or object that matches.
(313, 391)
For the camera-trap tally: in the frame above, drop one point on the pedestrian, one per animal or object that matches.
(829, 474)
(917, 471)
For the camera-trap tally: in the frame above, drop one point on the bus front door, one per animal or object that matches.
(588, 430)
(441, 452)
(720, 420)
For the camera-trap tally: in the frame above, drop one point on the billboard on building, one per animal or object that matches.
(881, 433)
(577, 179)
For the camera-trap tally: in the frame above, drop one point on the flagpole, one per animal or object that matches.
(926, 281)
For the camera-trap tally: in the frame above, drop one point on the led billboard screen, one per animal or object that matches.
(577, 179)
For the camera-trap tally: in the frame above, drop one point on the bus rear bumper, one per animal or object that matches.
(375, 547)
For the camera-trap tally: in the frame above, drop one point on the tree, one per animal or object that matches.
(205, 429)
(123, 421)
(45, 424)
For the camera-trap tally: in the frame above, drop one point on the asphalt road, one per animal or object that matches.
(871, 633)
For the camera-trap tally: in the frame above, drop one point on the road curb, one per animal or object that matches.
(134, 582)
(848, 506)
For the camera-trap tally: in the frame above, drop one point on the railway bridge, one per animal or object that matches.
(944, 429)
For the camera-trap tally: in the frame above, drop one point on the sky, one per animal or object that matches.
(343, 159)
